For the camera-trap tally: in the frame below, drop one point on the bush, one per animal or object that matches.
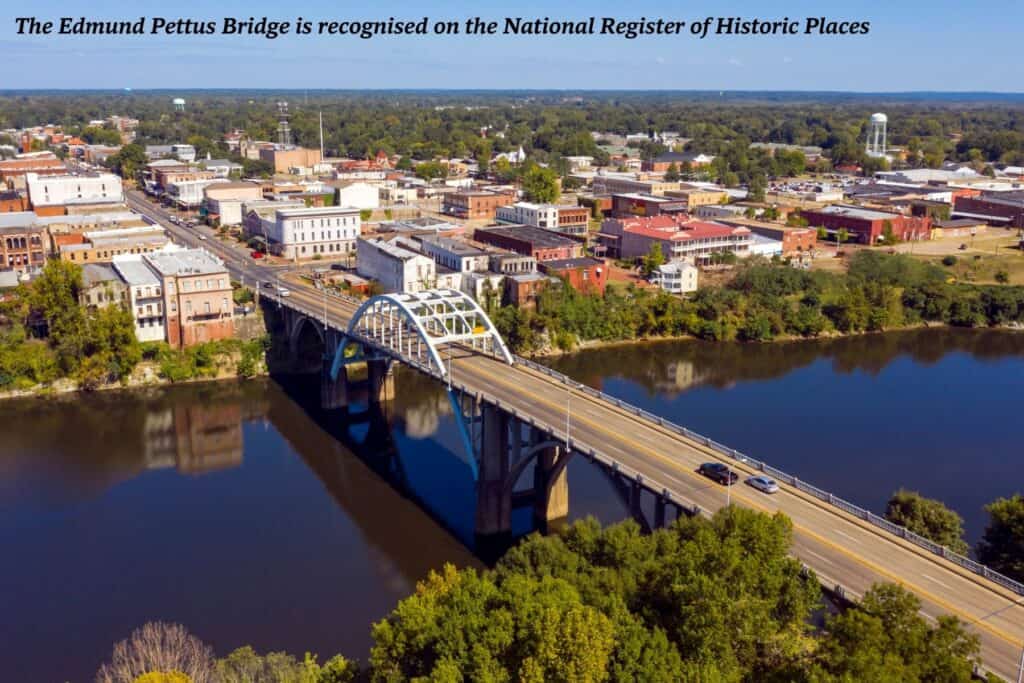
(949, 260)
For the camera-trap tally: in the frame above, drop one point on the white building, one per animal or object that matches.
(396, 268)
(454, 254)
(299, 233)
(189, 193)
(222, 167)
(63, 190)
(527, 213)
(186, 153)
(359, 195)
(225, 200)
(676, 277)
(145, 296)
(760, 245)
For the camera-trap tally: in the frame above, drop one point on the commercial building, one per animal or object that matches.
(286, 158)
(634, 204)
(695, 197)
(197, 295)
(22, 242)
(682, 160)
(145, 297)
(58, 191)
(396, 268)
(103, 245)
(543, 245)
(13, 171)
(867, 225)
(794, 240)
(587, 275)
(101, 287)
(633, 238)
(571, 220)
(189, 194)
(223, 202)
(222, 168)
(958, 227)
(301, 233)
(995, 208)
(355, 194)
(629, 184)
(454, 254)
(476, 204)
(676, 277)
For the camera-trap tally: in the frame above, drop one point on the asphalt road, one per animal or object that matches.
(842, 549)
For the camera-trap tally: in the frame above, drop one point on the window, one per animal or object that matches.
(188, 306)
(206, 307)
(224, 304)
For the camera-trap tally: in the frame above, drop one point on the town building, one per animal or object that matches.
(103, 245)
(587, 275)
(634, 204)
(13, 171)
(12, 201)
(522, 291)
(541, 244)
(189, 193)
(198, 304)
(396, 268)
(958, 227)
(678, 238)
(454, 254)
(867, 225)
(794, 240)
(50, 194)
(222, 202)
(476, 204)
(628, 183)
(762, 245)
(145, 298)
(995, 208)
(570, 220)
(222, 168)
(360, 195)
(682, 160)
(676, 277)
(512, 263)
(695, 197)
(22, 242)
(101, 287)
(286, 158)
(306, 232)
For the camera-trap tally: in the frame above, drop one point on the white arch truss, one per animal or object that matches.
(415, 326)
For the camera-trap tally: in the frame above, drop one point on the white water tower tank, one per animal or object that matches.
(877, 142)
(179, 104)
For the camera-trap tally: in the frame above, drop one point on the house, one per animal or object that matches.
(587, 275)
(396, 268)
(541, 244)
(676, 277)
(198, 304)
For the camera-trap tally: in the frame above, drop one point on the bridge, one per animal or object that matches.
(515, 416)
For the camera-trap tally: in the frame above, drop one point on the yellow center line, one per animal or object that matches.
(758, 506)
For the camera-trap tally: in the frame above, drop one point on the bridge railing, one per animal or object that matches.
(786, 478)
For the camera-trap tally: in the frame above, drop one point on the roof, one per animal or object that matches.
(668, 228)
(957, 223)
(537, 237)
(185, 262)
(18, 219)
(393, 250)
(134, 271)
(313, 211)
(571, 263)
(9, 279)
(854, 212)
(453, 245)
(95, 273)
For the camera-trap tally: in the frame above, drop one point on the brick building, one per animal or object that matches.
(635, 204)
(679, 238)
(12, 201)
(541, 244)
(997, 208)
(794, 240)
(22, 242)
(197, 296)
(476, 204)
(587, 275)
(13, 171)
(571, 220)
(867, 225)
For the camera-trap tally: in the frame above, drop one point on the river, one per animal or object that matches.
(254, 518)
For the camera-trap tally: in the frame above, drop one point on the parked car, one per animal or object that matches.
(719, 472)
(257, 254)
(268, 285)
(281, 291)
(763, 484)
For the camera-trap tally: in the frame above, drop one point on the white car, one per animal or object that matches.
(281, 291)
(763, 484)
(202, 237)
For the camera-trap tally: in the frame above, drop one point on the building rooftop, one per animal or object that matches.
(185, 262)
(957, 223)
(313, 211)
(18, 219)
(571, 263)
(95, 273)
(391, 249)
(856, 212)
(455, 246)
(538, 237)
(134, 271)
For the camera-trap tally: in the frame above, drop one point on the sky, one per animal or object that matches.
(940, 45)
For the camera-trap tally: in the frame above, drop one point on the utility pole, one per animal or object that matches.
(1020, 667)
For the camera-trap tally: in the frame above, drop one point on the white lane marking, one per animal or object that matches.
(843, 533)
(934, 580)
(820, 557)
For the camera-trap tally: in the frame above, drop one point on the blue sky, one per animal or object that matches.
(913, 45)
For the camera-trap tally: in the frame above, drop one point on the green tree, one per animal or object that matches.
(1002, 545)
(842, 235)
(128, 161)
(1002, 277)
(654, 259)
(541, 185)
(756, 189)
(928, 518)
(672, 172)
(97, 135)
(365, 214)
(822, 233)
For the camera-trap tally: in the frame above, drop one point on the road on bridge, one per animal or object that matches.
(841, 548)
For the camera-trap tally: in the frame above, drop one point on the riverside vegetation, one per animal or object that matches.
(47, 335)
(709, 600)
(766, 301)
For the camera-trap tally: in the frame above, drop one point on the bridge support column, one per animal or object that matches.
(333, 392)
(493, 506)
(551, 489)
(380, 380)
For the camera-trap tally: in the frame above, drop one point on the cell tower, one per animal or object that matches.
(284, 131)
(179, 104)
(877, 143)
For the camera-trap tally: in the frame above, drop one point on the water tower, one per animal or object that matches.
(179, 104)
(877, 143)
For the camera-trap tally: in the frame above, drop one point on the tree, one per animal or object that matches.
(756, 189)
(128, 161)
(365, 214)
(541, 185)
(654, 258)
(842, 235)
(97, 135)
(822, 233)
(1002, 277)
(1002, 545)
(928, 518)
(158, 647)
(431, 170)
(672, 172)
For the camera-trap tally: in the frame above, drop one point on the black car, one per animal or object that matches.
(718, 472)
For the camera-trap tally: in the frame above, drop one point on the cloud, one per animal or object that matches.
(735, 61)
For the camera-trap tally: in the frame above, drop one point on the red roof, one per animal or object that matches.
(678, 228)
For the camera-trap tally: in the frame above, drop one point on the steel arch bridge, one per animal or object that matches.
(415, 326)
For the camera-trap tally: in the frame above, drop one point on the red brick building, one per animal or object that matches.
(197, 295)
(11, 201)
(476, 204)
(794, 240)
(867, 225)
(587, 275)
(22, 243)
(12, 171)
(541, 244)
(1003, 208)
